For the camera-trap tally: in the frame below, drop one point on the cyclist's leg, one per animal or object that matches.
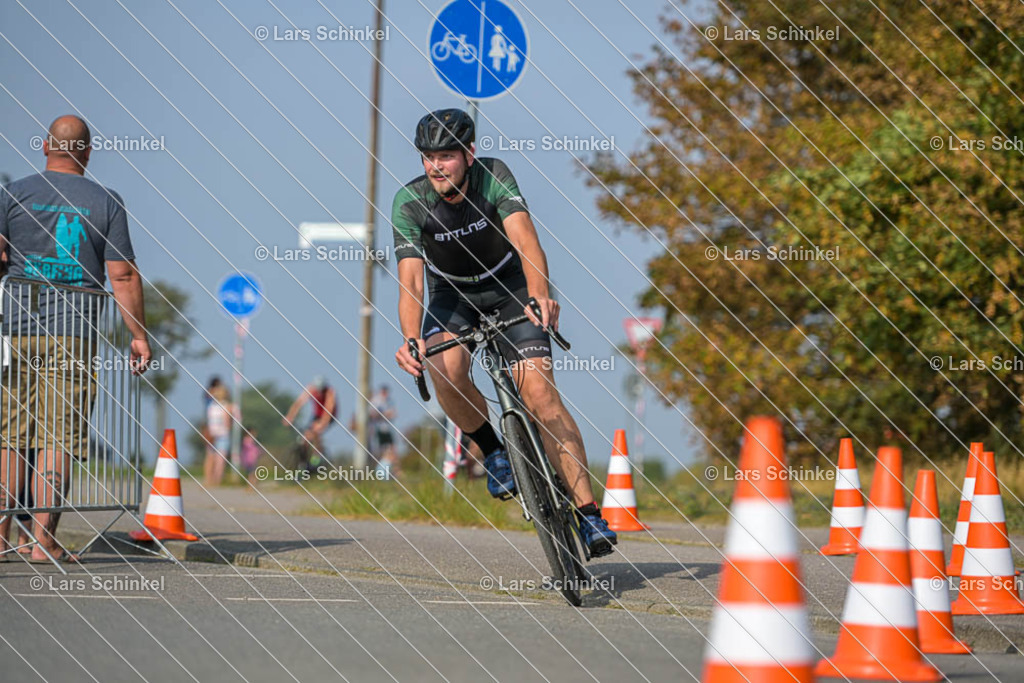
(528, 347)
(558, 429)
(315, 452)
(564, 447)
(458, 396)
(461, 400)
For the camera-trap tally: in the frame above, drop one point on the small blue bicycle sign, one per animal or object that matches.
(240, 294)
(478, 48)
(451, 45)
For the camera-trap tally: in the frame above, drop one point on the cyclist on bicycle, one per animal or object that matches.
(466, 222)
(324, 412)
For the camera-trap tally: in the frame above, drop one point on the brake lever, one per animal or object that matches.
(421, 380)
(559, 339)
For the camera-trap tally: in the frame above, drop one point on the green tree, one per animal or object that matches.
(772, 140)
(171, 335)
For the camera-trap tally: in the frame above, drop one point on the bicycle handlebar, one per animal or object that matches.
(478, 334)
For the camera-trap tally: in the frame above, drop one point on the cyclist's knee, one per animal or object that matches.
(541, 398)
(450, 369)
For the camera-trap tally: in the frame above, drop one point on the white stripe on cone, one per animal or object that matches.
(960, 533)
(164, 506)
(873, 604)
(760, 529)
(166, 468)
(925, 534)
(619, 498)
(847, 479)
(773, 635)
(931, 595)
(987, 562)
(989, 509)
(847, 517)
(619, 464)
(885, 529)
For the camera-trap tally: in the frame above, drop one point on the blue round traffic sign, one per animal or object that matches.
(478, 48)
(240, 294)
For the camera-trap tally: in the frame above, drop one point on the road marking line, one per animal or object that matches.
(478, 602)
(292, 599)
(90, 597)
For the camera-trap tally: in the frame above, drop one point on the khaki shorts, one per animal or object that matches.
(47, 395)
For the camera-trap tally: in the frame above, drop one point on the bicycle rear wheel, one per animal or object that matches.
(551, 518)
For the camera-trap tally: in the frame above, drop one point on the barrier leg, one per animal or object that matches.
(53, 560)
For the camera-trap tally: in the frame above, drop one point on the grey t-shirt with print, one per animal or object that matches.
(60, 228)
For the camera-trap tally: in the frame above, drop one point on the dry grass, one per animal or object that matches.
(687, 496)
(424, 499)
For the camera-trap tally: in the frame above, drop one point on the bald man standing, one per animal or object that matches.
(64, 229)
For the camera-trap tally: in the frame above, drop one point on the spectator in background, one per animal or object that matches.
(215, 382)
(204, 429)
(219, 415)
(61, 228)
(250, 454)
(382, 415)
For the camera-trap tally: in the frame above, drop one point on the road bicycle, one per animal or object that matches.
(540, 490)
(306, 458)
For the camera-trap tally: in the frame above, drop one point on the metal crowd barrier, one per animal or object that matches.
(66, 387)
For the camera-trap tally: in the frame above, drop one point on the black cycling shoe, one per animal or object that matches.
(499, 475)
(598, 538)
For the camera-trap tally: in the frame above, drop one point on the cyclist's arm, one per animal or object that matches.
(410, 297)
(523, 235)
(406, 217)
(296, 406)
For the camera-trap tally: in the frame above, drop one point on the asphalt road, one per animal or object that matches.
(206, 622)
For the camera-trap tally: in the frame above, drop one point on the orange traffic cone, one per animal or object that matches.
(963, 516)
(847, 505)
(759, 630)
(164, 511)
(619, 505)
(987, 582)
(878, 637)
(931, 587)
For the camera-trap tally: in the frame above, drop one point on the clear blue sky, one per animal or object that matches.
(224, 186)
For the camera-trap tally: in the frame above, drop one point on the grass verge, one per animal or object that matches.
(688, 496)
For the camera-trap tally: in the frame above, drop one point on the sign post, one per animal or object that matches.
(640, 332)
(241, 296)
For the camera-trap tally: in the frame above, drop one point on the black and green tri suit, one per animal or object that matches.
(472, 267)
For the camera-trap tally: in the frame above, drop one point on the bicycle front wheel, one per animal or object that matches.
(550, 516)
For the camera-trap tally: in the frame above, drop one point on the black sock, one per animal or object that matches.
(485, 438)
(589, 509)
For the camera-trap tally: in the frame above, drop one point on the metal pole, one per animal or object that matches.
(638, 440)
(366, 308)
(241, 329)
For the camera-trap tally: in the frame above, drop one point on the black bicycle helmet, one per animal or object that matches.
(445, 129)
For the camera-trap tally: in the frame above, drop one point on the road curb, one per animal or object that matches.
(1003, 634)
